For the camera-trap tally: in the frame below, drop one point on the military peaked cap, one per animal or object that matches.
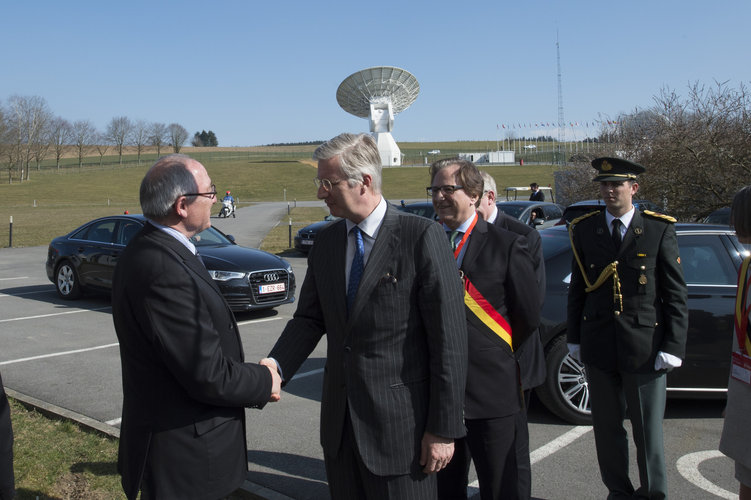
(616, 169)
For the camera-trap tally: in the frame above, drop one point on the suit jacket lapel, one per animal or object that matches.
(635, 229)
(381, 255)
(475, 243)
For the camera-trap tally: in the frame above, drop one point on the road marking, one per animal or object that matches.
(25, 293)
(251, 321)
(544, 451)
(688, 466)
(54, 314)
(17, 278)
(55, 354)
(307, 374)
(114, 421)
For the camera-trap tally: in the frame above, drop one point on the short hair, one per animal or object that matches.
(167, 179)
(469, 176)
(534, 185)
(358, 155)
(740, 213)
(488, 183)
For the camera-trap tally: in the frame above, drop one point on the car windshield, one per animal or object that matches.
(210, 237)
(510, 209)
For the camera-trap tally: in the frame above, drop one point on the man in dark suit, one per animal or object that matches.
(536, 195)
(627, 322)
(185, 385)
(7, 478)
(502, 307)
(531, 355)
(383, 288)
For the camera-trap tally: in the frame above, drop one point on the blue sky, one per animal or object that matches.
(266, 72)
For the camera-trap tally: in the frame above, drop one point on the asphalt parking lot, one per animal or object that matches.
(66, 354)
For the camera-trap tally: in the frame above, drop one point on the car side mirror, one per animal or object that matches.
(231, 238)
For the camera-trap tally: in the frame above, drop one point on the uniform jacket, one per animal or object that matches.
(498, 264)
(398, 361)
(654, 316)
(184, 380)
(530, 354)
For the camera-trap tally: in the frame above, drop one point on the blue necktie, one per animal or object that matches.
(355, 272)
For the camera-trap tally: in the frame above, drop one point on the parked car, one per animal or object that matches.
(249, 279)
(548, 213)
(710, 256)
(719, 216)
(584, 207)
(306, 236)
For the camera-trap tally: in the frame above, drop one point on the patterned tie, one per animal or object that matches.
(617, 233)
(455, 238)
(355, 272)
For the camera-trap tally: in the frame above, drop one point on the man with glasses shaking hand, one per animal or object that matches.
(185, 382)
(383, 288)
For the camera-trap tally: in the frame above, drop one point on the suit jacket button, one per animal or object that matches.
(347, 348)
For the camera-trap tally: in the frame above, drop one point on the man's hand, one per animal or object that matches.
(276, 379)
(435, 452)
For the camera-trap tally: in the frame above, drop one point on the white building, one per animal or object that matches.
(490, 157)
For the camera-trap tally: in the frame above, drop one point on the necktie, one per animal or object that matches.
(455, 238)
(355, 272)
(617, 233)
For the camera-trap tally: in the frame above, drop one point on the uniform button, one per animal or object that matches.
(616, 313)
(347, 348)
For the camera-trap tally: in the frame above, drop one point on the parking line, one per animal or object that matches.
(18, 278)
(263, 320)
(24, 293)
(688, 466)
(54, 314)
(55, 354)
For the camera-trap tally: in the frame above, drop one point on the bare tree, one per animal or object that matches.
(84, 135)
(177, 136)
(158, 136)
(118, 133)
(140, 137)
(61, 133)
(102, 146)
(28, 118)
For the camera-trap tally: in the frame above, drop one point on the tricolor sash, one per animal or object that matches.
(484, 316)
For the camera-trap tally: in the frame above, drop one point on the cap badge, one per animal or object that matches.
(606, 167)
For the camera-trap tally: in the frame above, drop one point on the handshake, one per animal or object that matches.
(276, 379)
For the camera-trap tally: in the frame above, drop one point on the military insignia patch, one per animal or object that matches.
(606, 166)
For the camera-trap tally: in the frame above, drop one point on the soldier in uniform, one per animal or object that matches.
(627, 322)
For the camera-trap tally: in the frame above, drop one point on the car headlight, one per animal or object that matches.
(226, 275)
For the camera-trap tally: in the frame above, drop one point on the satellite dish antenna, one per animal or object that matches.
(379, 94)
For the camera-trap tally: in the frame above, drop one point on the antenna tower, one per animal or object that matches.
(561, 121)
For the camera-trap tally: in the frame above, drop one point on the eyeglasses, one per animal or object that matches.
(446, 190)
(325, 183)
(209, 194)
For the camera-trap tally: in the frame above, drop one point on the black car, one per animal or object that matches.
(306, 236)
(421, 208)
(586, 206)
(719, 216)
(710, 256)
(548, 214)
(249, 279)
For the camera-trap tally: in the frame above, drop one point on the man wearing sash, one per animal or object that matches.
(502, 306)
(735, 442)
(627, 322)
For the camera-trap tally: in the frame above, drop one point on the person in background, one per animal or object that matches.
(7, 478)
(627, 322)
(530, 354)
(383, 287)
(185, 382)
(502, 307)
(536, 195)
(735, 441)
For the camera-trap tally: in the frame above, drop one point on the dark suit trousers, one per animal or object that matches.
(490, 443)
(349, 478)
(611, 392)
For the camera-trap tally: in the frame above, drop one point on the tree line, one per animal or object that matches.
(30, 133)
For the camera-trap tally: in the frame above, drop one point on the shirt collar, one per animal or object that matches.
(372, 222)
(625, 218)
(493, 216)
(464, 226)
(175, 234)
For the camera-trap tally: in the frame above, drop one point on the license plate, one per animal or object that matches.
(306, 242)
(273, 288)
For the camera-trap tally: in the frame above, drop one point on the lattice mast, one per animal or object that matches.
(561, 120)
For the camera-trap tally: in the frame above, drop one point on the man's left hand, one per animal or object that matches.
(436, 452)
(665, 361)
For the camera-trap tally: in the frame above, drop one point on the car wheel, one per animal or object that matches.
(565, 391)
(66, 282)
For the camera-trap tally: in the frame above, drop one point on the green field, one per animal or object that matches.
(53, 202)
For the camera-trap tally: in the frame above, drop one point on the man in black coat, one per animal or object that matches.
(536, 195)
(627, 322)
(7, 478)
(502, 306)
(531, 355)
(185, 383)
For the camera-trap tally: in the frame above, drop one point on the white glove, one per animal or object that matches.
(574, 350)
(665, 361)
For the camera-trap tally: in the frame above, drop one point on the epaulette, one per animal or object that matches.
(582, 217)
(660, 216)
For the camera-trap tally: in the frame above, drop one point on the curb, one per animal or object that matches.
(248, 490)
